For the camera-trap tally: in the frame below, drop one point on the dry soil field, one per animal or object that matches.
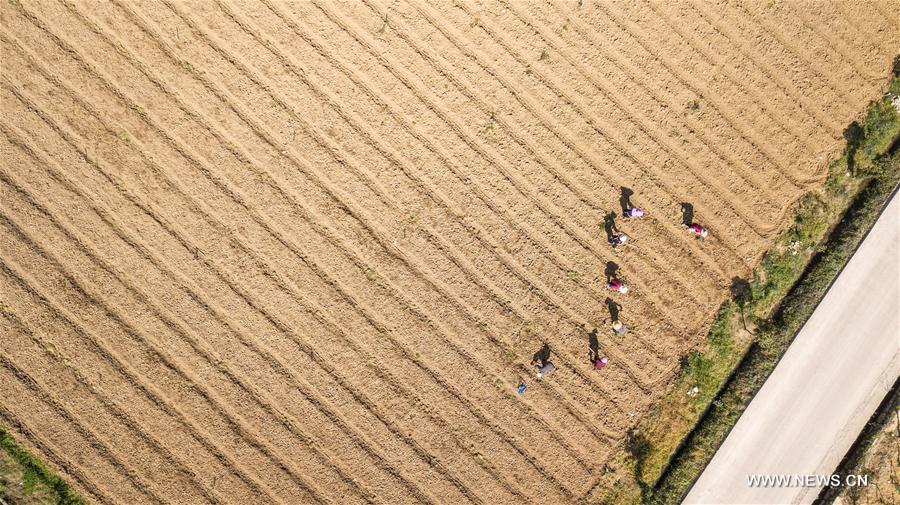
(269, 252)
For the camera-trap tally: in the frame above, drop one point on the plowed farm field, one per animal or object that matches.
(270, 252)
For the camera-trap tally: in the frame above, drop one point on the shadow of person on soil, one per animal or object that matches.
(612, 270)
(687, 213)
(593, 345)
(613, 308)
(540, 358)
(609, 224)
(625, 200)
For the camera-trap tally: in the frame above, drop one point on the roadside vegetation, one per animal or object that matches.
(875, 455)
(670, 447)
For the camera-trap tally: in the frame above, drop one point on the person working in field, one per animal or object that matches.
(545, 370)
(617, 285)
(633, 212)
(613, 235)
(617, 240)
(698, 230)
(597, 360)
(541, 361)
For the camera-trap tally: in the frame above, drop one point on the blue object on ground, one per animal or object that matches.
(522, 387)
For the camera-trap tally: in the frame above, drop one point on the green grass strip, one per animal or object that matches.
(35, 476)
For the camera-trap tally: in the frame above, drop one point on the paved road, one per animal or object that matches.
(829, 383)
